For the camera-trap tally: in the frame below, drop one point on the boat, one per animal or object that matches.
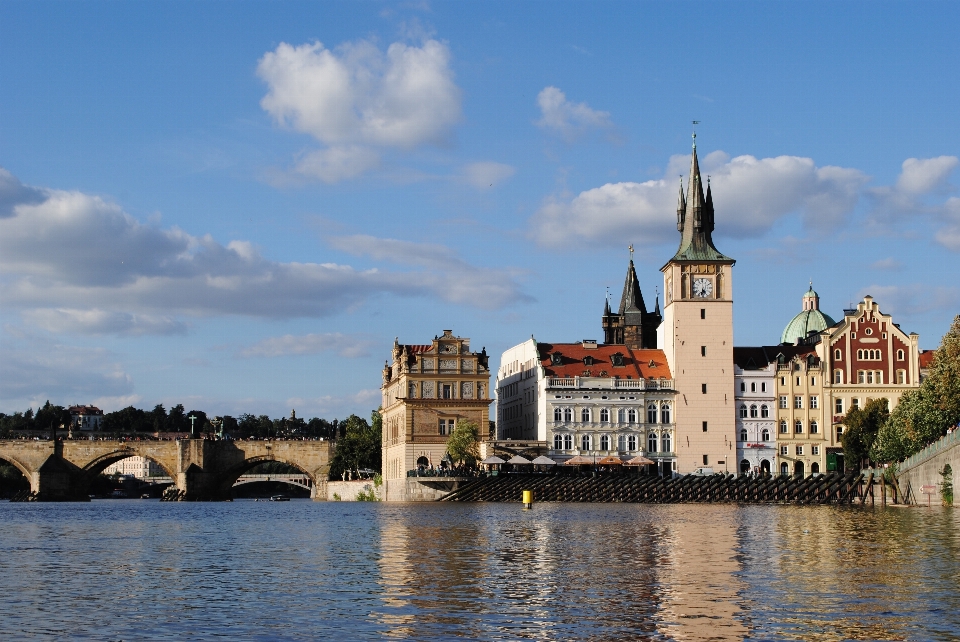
(279, 498)
(145, 496)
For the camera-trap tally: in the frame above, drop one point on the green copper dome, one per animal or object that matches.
(811, 318)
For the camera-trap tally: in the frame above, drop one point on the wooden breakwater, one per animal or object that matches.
(831, 488)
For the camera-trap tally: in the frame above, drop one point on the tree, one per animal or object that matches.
(177, 419)
(925, 414)
(359, 447)
(862, 426)
(464, 442)
(159, 416)
(50, 417)
(946, 486)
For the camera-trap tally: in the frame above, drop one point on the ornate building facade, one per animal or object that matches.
(754, 377)
(427, 389)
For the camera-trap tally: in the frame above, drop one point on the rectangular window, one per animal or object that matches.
(814, 450)
(783, 401)
(703, 313)
(799, 450)
(798, 402)
(813, 381)
(838, 376)
(703, 388)
(763, 386)
(783, 450)
(447, 391)
(783, 381)
(743, 387)
(706, 460)
(814, 402)
(901, 376)
(854, 403)
(703, 351)
(753, 386)
(861, 377)
(704, 426)
(798, 382)
(838, 407)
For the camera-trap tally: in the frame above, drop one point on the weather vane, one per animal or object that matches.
(631, 251)
(695, 123)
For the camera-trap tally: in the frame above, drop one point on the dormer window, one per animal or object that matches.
(617, 358)
(588, 360)
(556, 359)
(652, 364)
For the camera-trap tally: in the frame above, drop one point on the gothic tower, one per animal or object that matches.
(632, 326)
(697, 334)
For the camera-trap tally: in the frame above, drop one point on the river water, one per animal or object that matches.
(145, 570)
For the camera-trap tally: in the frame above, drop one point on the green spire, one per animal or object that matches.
(696, 222)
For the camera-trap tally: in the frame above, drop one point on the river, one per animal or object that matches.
(302, 570)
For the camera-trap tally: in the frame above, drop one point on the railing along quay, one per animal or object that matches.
(831, 488)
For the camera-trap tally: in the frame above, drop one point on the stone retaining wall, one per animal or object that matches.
(923, 469)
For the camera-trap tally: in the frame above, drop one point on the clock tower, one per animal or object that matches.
(697, 334)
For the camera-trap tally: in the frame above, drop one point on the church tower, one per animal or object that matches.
(697, 334)
(632, 326)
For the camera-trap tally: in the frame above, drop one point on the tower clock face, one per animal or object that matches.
(702, 288)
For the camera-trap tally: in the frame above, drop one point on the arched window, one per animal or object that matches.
(743, 411)
(784, 469)
(814, 467)
(665, 442)
(557, 414)
(743, 434)
(585, 415)
(665, 413)
(753, 411)
(798, 426)
(584, 442)
(753, 386)
(744, 466)
(604, 415)
(604, 442)
(558, 442)
(899, 355)
(652, 413)
(764, 411)
(568, 442)
(568, 414)
(631, 443)
(783, 426)
(632, 415)
(765, 435)
(859, 354)
(652, 442)
(814, 428)
(837, 355)
(621, 415)
(621, 442)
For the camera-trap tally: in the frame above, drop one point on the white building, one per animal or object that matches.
(755, 400)
(139, 467)
(590, 399)
(85, 418)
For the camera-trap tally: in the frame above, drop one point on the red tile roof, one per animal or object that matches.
(926, 358)
(636, 363)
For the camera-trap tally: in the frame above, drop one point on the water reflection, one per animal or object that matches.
(307, 570)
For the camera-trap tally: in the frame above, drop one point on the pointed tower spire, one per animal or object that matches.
(681, 207)
(708, 209)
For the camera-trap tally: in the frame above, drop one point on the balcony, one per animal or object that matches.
(609, 383)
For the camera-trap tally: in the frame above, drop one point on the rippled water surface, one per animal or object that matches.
(139, 569)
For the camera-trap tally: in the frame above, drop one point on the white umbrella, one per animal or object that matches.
(518, 460)
(544, 461)
(492, 459)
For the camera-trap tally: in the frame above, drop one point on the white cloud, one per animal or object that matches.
(344, 345)
(448, 275)
(888, 263)
(487, 174)
(750, 196)
(96, 321)
(358, 100)
(13, 193)
(76, 263)
(923, 175)
(567, 118)
(913, 300)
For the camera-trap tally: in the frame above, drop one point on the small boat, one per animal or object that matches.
(279, 498)
(145, 496)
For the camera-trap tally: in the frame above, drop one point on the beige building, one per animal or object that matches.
(697, 335)
(427, 389)
(803, 419)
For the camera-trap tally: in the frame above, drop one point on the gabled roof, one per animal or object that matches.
(636, 363)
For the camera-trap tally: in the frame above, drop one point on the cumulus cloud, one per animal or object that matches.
(77, 263)
(444, 272)
(358, 100)
(487, 174)
(344, 345)
(915, 300)
(750, 196)
(13, 193)
(566, 118)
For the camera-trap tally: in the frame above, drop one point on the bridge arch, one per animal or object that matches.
(26, 472)
(97, 465)
(229, 477)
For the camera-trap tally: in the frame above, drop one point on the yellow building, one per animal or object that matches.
(803, 417)
(426, 390)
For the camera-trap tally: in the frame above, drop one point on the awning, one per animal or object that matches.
(493, 460)
(638, 461)
(579, 460)
(517, 460)
(544, 461)
(610, 461)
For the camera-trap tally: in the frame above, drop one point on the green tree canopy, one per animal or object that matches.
(862, 425)
(923, 415)
(359, 446)
(464, 442)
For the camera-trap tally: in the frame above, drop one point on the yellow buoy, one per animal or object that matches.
(528, 499)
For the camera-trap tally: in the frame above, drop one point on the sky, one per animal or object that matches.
(239, 206)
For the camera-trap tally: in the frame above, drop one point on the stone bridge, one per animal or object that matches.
(201, 469)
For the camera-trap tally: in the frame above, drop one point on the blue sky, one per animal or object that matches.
(238, 206)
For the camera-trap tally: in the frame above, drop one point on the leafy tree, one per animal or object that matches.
(159, 416)
(50, 417)
(464, 442)
(359, 447)
(127, 420)
(946, 486)
(925, 414)
(862, 425)
(177, 419)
